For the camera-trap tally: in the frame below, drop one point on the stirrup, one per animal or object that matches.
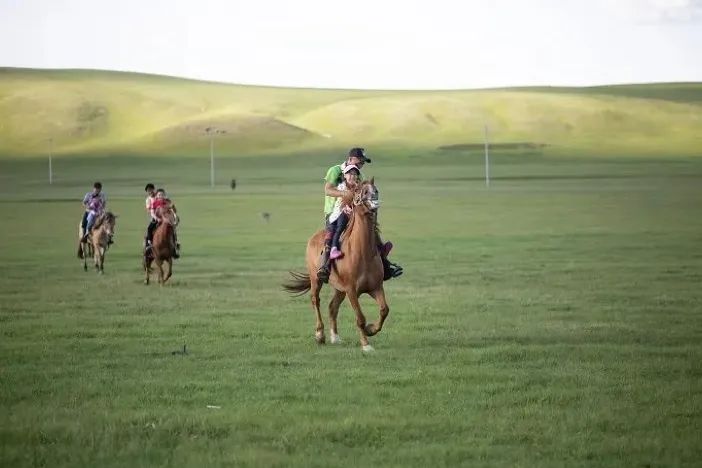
(392, 270)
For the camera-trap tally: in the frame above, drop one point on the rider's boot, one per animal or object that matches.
(390, 270)
(323, 271)
(147, 247)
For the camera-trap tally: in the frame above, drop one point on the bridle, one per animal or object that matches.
(368, 196)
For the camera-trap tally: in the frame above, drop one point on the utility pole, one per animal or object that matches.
(212, 170)
(487, 158)
(212, 131)
(51, 171)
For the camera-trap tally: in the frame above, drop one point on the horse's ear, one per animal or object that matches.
(372, 181)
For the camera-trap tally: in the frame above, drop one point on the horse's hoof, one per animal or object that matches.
(367, 348)
(319, 338)
(335, 339)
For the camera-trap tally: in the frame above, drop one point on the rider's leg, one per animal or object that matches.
(176, 246)
(323, 271)
(390, 270)
(340, 225)
(89, 223)
(84, 222)
(150, 232)
(149, 237)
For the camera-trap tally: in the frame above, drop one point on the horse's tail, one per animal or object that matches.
(299, 284)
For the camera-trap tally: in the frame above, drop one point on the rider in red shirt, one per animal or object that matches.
(156, 207)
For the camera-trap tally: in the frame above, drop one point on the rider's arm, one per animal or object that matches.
(330, 180)
(331, 191)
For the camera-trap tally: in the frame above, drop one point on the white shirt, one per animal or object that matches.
(336, 212)
(149, 201)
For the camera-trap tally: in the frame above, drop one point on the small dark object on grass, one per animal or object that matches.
(178, 351)
(266, 216)
(233, 184)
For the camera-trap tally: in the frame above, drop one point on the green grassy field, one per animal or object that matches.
(101, 112)
(554, 319)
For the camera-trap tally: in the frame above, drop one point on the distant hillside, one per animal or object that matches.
(101, 112)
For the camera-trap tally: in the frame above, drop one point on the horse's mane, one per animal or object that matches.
(106, 216)
(348, 199)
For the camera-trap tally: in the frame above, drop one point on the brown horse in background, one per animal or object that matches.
(163, 247)
(98, 241)
(359, 271)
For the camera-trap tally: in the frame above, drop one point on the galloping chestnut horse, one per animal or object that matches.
(359, 271)
(98, 241)
(162, 247)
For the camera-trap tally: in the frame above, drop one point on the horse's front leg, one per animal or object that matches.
(96, 257)
(170, 270)
(334, 305)
(379, 296)
(360, 320)
(100, 259)
(159, 267)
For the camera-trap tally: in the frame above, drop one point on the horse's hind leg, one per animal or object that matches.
(360, 321)
(147, 270)
(315, 287)
(379, 296)
(334, 304)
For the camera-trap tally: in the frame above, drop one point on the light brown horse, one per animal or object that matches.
(359, 271)
(162, 247)
(98, 241)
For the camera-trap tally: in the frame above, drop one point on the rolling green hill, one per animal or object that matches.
(102, 112)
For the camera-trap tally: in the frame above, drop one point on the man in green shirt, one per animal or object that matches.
(334, 176)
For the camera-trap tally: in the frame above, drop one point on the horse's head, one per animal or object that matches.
(108, 223)
(170, 217)
(366, 197)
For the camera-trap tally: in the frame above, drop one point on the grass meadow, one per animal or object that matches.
(554, 319)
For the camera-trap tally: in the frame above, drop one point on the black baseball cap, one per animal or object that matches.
(359, 153)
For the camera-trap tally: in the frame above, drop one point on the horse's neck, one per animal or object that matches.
(165, 227)
(362, 235)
